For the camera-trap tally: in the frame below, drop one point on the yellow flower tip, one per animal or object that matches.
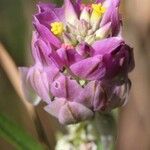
(98, 10)
(57, 28)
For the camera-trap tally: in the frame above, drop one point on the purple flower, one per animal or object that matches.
(81, 62)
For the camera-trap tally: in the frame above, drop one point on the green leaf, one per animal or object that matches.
(17, 136)
(58, 2)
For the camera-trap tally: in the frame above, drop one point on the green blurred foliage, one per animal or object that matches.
(13, 28)
(17, 136)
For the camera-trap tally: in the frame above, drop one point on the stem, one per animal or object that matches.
(106, 126)
(107, 142)
(94, 134)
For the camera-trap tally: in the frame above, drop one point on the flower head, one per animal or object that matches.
(81, 60)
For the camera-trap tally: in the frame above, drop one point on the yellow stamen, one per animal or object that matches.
(57, 28)
(98, 10)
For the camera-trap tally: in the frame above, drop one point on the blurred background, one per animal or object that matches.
(15, 37)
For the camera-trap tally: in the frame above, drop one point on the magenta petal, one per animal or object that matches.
(58, 87)
(70, 14)
(119, 62)
(84, 50)
(55, 58)
(68, 112)
(35, 52)
(49, 55)
(117, 3)
(29, 92)
(112, 15)
(52, 72)
(38, 79)
(99, 98)
(116, 21)
(41, 51)
(73, 112)
(117, 95)
(86, 96)
(93, 96)
(78, 1)
(68, 56)
(100, 1)
(91, 68)
(106, 46)
(46, 18)
(60, 12)
(51, 15)
(46, 34)
(54, 107)
(65, 87)
(45, 6)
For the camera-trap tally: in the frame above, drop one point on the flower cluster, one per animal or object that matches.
(81, 60)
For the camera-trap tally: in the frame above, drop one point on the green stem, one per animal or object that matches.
(106, 127)
(98, 133)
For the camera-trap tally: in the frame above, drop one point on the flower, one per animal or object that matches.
(81, 62)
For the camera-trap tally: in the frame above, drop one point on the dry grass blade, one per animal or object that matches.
(8, 65)
(12, 72)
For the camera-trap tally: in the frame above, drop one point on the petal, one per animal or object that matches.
(78, 1)
(90, 69)
(99, 97)
(57, 61)
(93, 96)
(112, 14)
(70, 14)
(73, 112)
(48, 54)
(119, 62)
(106, 17)
(46, 34)
(86, 96)
(106, 46)
(126, 53)
(51, 15)
(60, 12)
(46, 18)
(28, 90)
(39, 82)
(131, 62)
(52, 72)
(118, 95)
(112, 65)
(58, 87)
(68, 112)
(100, 1)
(65, 87)
(54, 107)
(35, 52)
(41, 51)
(84, 49)
(117, 3)
(103, 31)
(116, 22)
(108, 3)
(45, 6)
(49, 11)
(85, 15)
(68, 56)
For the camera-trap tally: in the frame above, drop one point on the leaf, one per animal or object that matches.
(58, 2)
(17, 136)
